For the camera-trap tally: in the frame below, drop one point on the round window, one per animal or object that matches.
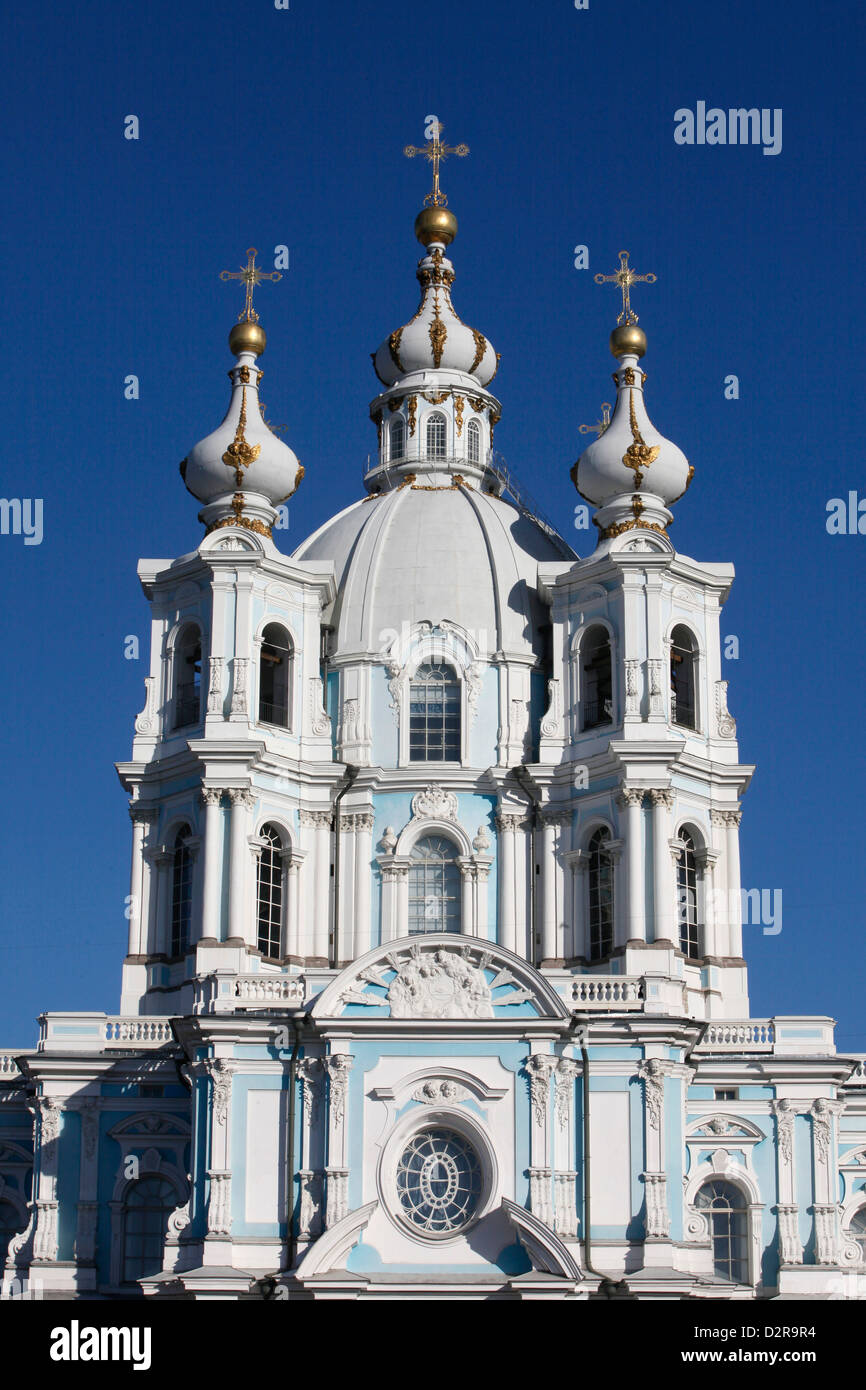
(439, 1182)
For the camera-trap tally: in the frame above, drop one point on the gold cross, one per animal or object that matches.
(625, 277)
(434, 151)
(251, 276)
(600, 425)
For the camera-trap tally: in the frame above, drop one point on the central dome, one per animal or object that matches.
(442, 553)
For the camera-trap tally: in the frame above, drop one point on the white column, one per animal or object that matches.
(653, 1072)
(48, 1109)
(217, 1246)
(539, 1068)
(631, 798)
(550, 944)
(706, 859)
(663, 882)
(506, 826)
(468, 925)
(735, 904)
(293, 904)
(210, 907)
(824, 1115)
(141, 819)
(241, 915)
(790, 1247)
(362, 931)
(240, 706)
(322, 900)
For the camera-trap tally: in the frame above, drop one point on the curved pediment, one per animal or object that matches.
(725, 1129)
(440, 976)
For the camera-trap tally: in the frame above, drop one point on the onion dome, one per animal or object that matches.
(631, 473)
(242, 471)
(435, 339)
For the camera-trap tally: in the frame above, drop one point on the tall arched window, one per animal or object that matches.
(683, 658)
(687, 898)
(725, 1209)
(181, 892)
(397, 438)
(600, 895)
(597, 684)
(275, 670)
(147, 1206)
(434, 714)
(269, 893)
(187, 678)
(434, 886)
(437, 436)
(473, 441)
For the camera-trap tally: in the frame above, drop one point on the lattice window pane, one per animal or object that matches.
(725, 1209)
(269, 893)
(181, 893)
(439, 1182)
(434, 887)
(434, 714)
(600, 896)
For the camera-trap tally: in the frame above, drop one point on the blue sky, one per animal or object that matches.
(262, 127)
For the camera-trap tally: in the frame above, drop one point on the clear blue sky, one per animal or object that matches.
(261, 126)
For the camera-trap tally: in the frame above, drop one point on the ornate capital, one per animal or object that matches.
(338, 1066)
(631, 796)
(242, 796)
(508, 823)
(142, 815)
(653, 1073)
(662, 796)
(211, 796)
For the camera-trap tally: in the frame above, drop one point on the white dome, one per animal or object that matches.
(435, 339)
(453, 553)
(242, 455)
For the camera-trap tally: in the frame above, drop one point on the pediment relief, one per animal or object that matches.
(150, 1126)
(440, 977)
(729, 1129)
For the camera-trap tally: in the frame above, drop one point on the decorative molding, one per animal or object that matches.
(219, 1210)
(146, 721)
(656, 685)
(653, 1073)
(434, 803)
(551, 723)
(444, 984)
(632, 685)
(215, 688)
(338, 1066)
(240, 666)
(658, 1221)
(440, 1093)
(319, 717)
(790, 1249)
(311, 1073)
(539, 1068)
(726, 724)
(563, 1089)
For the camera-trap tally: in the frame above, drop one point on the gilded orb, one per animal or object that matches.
(628, 338)
(435, 224)
(247, 336)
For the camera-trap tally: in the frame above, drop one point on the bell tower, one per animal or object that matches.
(647, 740)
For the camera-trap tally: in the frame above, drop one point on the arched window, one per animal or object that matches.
(597, 703)
(434, 886)
(269, 892)
(147, 1206)
(725, 1209)
(397, 438)
(473, 441)
(856, 1231)
(275, 669)
(437, 429)
(181, 892)
(187, 678)
(683, 655)
(687, 898)
(434, 714)
(10, 1224)
(600, 896)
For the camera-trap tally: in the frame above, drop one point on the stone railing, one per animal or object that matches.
(9, 1068)
(96, 1032)
(225, 992)
(613, 992)
(780, 1036)
(858, 1075)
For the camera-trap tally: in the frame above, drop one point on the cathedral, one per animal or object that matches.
(434, 984)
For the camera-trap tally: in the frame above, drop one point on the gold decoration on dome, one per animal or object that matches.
(628, 376)
(689, 476)
(600, 425)
(438, 332)
(435, 397)
(395, 404)
(412, 406)
(480, 348)
(498, 356)
(244, 375)
(477, 404)
(394, 348)
(240, 454)
(434, 151)
(625, 277)
(617, 529)
(638, 456)
(249, 523)
(251, 276)
(261, 373)
(459, 403)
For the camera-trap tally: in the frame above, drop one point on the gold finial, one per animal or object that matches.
(600, 425)
(434, 151)
(625, 277)
(251, 276)
(239, 455)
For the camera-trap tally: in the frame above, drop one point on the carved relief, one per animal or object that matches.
(632, 696)
(220, 1202)
(439, 984)
(338, 1066)
(551, 724)
(563, 1088)
(440, 1093)
(319, 717)
(539, 1068)
(653, 1073)
(434, 803)
(658, 1222)
(654, 671)
(215, 689)
(239, 689)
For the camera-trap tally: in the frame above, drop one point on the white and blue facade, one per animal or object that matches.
(434, 983)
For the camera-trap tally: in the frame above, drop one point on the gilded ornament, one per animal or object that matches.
(240, 454)
(244, 375)
(629, 376)
(689, 476)
(496, 368)
(480, 348)
(638, 456)
(438, 332)
(394, 348)
(458, 413)
(435, 398)
(412, 406)
(395, 404)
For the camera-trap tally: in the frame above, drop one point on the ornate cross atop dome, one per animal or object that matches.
(433, 152)
(251, 275)
(625, 277)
